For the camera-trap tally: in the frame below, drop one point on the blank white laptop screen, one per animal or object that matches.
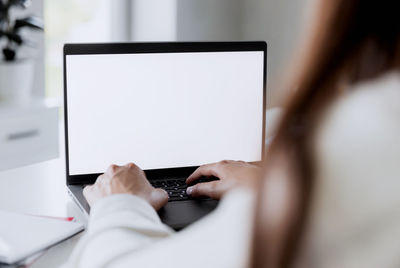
(163, 110)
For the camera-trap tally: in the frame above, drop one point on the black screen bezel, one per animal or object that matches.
(159, 47)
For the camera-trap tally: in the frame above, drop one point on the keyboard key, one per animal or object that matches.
(170, 183)
(175, 187)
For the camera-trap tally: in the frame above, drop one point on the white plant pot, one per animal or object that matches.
(16, 78)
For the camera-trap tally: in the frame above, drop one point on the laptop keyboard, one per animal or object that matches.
(176, 187)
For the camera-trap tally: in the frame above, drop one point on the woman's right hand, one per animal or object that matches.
(231, 174)
(128, 179)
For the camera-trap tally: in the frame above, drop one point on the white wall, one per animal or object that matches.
(280, 23)
(276, 21)
(153, 20)
(121, 20)
(212, 20)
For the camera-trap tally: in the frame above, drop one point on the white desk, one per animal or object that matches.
(40, 189)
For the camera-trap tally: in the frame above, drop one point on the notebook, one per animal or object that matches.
(22, 235)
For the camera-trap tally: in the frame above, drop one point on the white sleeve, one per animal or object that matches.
(125, 231)
(118, 224)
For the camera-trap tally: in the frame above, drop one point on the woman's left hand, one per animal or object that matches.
(231, 174)
(128, 179)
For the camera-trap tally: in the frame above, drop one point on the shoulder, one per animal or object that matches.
(357, 151)
(358, 143)
(369, 105)
(363, 124)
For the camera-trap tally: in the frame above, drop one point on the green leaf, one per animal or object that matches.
(16, 38)
(30, 22)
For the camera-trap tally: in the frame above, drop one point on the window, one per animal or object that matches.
(72, 21)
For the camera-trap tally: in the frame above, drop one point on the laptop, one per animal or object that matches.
(167, 107)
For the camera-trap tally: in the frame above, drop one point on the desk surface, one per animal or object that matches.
(40, 189)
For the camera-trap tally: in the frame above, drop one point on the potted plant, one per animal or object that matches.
(16, 72)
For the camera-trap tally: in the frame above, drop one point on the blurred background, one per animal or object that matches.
(32, 148)
(278, 22)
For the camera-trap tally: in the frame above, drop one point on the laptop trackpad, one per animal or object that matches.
(179, 214)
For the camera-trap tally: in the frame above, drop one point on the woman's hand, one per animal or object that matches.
(128, 179)
(231, 174)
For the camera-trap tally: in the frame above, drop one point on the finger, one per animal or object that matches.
(204, 170)
(102, 178)
(131, 165)
(87, 193)
(159, 198)
(112, 169)
(210, 189)
(86, 190)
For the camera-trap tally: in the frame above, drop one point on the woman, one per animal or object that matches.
(329, 193)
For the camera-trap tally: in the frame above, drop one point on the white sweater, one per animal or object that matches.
(356, 214)
(356, 218)
(125, 231)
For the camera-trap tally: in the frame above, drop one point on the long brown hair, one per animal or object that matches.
(351, 41)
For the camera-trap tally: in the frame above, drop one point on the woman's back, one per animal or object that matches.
(356, 208)
(338, 142)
